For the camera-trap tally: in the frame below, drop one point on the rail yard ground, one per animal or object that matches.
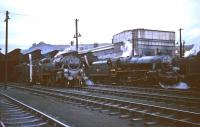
(108, 106)
(69, 113)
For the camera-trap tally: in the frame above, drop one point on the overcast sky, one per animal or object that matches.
(53, 21)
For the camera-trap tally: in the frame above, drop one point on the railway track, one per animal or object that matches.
(17, 114)
(188, 103)
(175, 92)
(149, 114)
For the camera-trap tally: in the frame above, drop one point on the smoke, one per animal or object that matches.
(66, 50)
(180, 85)
(193, 51)
(89, 82)
(126, 48)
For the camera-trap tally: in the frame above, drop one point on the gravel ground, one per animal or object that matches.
(71, 114)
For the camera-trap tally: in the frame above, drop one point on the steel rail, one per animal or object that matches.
(153, 96)
(163, 91)
(50, 120)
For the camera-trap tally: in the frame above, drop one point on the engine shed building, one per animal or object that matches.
(13, 58)
(148, 42)
(106, 51)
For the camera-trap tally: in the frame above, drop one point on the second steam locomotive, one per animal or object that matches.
(129, 70)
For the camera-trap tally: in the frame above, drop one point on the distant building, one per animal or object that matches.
(102, 52)
(148, 42)
(91, 46)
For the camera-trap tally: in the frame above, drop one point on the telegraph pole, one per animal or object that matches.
(76, 34)
(76, 23)
(6, 50)
(181, 47)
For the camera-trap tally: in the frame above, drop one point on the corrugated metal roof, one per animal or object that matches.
(97, 49)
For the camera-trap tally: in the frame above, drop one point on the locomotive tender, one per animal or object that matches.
(128, 70)
(190, 70)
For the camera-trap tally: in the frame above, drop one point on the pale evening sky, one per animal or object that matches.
(53, 21)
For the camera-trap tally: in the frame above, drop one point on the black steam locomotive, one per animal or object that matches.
(66, 69)
(131, 70)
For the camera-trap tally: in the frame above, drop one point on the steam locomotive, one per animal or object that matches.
(66, 69)
(129, 70)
